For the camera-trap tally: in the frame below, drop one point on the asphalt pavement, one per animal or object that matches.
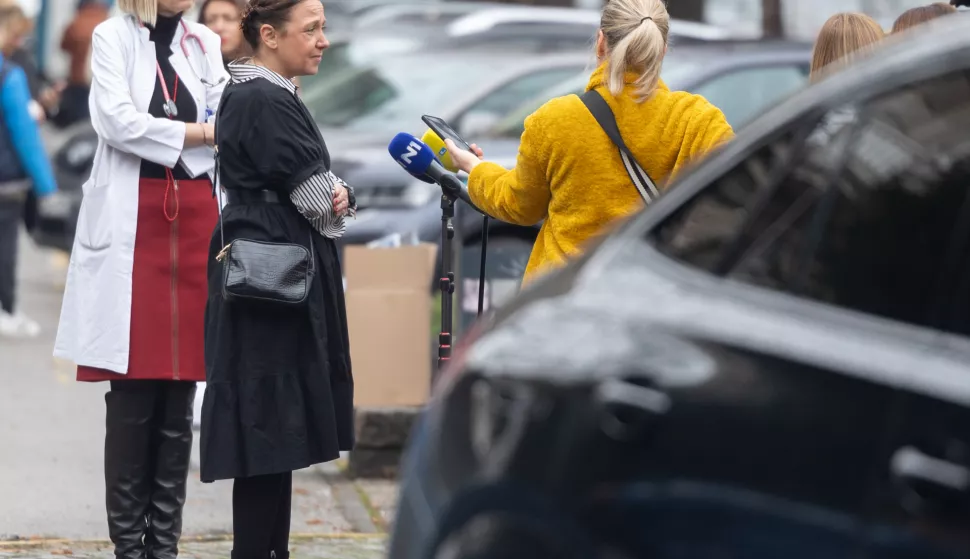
(51, 451)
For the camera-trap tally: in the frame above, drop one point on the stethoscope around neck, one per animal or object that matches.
(168, 107)
(171, 111)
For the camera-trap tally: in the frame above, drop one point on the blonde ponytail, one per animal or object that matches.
(636, 40)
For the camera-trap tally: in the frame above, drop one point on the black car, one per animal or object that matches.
(772, 360)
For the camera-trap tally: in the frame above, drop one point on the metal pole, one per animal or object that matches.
(446, 283)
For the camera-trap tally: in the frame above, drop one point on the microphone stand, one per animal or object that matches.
(451, 190)
(447, 281)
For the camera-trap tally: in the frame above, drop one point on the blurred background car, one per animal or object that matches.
(771, 360)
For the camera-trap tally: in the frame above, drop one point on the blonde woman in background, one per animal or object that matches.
(569, 172)
(915, 16)
(841, 37)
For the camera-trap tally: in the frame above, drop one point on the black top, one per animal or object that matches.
(267, 138)
(162, 35)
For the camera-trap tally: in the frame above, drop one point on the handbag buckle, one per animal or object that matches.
(222, 253)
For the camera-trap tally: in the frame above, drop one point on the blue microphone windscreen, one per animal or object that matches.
(412, 154)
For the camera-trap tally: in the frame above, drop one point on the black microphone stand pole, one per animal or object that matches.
(451, 189)
(481, 270)
(447, 281)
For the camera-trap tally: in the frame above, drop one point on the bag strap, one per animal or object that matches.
(217, 194)
(217, 191)
(603, 114)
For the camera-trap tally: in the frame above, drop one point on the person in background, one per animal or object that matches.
(279, 391)
(841, 38)
(223, 17)
(45, 95)
(24, 170)
(915, 16)
(134, 302)
(76, 42)
(568, 172)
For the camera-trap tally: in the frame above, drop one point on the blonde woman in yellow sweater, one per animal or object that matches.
(568, 172)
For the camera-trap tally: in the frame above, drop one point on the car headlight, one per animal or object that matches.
(418, 193)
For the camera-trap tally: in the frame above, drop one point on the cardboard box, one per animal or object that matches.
(389, 318)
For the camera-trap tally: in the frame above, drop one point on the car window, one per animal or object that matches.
(394, 91)
(858, 210)
(508, 96)
(743, 93)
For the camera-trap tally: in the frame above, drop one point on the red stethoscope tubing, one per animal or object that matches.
(186, 34)
(170, 183)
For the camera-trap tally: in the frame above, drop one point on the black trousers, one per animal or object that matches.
(11, 214)
(261, 516)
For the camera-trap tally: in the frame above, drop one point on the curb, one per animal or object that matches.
(45, 542)
(349, 499)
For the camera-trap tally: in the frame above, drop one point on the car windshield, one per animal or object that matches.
(393, 92)
(675, 72)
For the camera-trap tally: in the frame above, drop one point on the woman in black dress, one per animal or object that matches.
(280, 391)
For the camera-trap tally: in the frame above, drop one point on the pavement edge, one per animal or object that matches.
(352, 502)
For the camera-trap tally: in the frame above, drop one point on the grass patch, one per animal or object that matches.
(375, 515)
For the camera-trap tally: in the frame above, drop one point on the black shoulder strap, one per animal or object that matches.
(604, 116)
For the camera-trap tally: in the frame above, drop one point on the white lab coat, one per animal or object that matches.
(96, 311)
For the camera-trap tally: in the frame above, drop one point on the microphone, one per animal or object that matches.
(419, 161)
(437, 145)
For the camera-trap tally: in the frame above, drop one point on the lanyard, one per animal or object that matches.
(169, 108)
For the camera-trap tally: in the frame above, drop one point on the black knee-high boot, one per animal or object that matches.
(128, 464)
(173, 449)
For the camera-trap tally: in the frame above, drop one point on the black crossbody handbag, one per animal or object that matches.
(607, 120)
(279, 273)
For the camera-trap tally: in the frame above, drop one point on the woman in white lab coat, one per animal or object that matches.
(134, 303)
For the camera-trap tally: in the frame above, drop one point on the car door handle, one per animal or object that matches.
(912, 465)
(628, 408)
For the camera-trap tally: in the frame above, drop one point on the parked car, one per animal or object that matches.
(526, 16)
(360, 111)
(772, 360)
(519, 30)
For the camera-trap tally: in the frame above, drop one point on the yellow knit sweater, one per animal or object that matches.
(569, 173)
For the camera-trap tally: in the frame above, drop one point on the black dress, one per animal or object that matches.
(280, 390)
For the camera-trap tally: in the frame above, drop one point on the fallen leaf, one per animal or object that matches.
(301, 491)
(314, 522)
(62, 552)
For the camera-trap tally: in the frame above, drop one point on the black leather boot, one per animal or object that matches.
(173, 440)
(128, 465)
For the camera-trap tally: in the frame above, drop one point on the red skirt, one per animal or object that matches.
(168, 291)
